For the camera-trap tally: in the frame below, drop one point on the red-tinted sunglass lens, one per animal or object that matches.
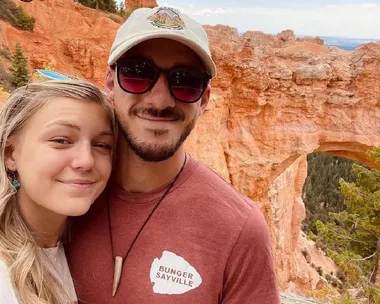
(186, 85)
(134, 85)
(136, 77)
(186, 93)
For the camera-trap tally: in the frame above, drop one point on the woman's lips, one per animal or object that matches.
(78, 183)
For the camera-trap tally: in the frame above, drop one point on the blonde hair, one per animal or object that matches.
(18, 246)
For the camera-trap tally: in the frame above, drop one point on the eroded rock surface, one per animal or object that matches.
(275, 99)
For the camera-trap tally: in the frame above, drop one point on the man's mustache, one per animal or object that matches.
(165, 113)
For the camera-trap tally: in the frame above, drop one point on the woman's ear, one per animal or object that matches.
(9, 159)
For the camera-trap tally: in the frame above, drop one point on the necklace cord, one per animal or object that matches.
(149, 216)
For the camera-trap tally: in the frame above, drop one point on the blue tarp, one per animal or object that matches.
(52, 75)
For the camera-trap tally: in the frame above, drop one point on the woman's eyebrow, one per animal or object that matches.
(70, 124)
(65, 123)
(106, 133)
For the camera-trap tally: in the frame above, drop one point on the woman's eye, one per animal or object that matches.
(103, 146)
(62, 141)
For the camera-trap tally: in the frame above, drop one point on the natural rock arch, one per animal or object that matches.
(275, 101)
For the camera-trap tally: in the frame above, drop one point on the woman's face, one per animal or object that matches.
(63, 156)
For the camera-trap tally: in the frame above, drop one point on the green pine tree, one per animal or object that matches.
(352, 240)
(104, 5)
(121, 9)
(110, 6)
(88, 3)
(19, 69)
(321, 189)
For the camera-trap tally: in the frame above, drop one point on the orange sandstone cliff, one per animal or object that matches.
(139, 3)
(275, 100)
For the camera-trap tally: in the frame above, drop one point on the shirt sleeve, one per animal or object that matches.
(7, 294)
(249, 275)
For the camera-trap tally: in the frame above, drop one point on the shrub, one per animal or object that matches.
(311, 236)
(5, 53)
(341, 275)
(323, 294)
(5, 78)
(319, 270)
(304, 252)
(345, 299)
(329, 278)
(15, 15)
(8, 10)
(113, 18)
(23, 21)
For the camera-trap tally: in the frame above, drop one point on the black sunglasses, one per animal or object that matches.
(138, 76)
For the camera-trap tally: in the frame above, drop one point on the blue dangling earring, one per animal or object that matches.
(15, 182)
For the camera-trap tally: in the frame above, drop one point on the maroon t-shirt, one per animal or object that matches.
(206, 243)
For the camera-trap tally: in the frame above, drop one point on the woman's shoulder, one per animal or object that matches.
(7, 294)
(4, 273)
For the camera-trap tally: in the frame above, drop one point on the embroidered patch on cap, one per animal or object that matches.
(167, 18)
(172, 274)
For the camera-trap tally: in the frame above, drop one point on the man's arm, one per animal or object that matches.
(249, 275)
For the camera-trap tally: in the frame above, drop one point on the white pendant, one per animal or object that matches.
(117, 274)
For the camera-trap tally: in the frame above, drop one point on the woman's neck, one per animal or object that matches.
(46, 225)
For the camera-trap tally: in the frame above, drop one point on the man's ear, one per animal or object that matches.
(205, 99)
(110, 82)
(9, 159)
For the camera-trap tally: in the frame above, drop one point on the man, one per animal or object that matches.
(168, 230)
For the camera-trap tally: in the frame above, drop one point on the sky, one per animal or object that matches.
(346, 18)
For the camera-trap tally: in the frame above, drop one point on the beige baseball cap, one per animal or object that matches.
(162, 22)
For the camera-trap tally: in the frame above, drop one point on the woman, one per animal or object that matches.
(56, 142)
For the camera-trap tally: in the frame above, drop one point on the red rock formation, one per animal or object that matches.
(275, 99)
(68, 36)
(139, 3)
(3, 96)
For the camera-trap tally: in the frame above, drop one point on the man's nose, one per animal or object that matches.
(160, 95)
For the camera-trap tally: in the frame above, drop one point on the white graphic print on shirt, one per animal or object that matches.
(172, 274)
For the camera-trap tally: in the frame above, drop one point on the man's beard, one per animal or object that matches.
(152, 152)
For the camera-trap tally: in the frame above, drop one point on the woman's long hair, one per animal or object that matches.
(19, 249)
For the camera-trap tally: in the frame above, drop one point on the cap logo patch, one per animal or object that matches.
(167, 18)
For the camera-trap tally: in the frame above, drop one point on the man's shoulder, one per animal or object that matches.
(220, 194)
(214, 185)
(234, 215)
